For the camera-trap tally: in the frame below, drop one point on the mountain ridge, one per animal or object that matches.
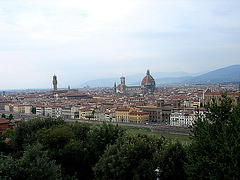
(227, 74)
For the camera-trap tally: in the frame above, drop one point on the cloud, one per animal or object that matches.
(79, 40)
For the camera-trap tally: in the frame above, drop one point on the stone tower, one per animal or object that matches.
(123, 86)
(115, 88)
(54, 83)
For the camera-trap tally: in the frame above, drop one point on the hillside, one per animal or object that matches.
(223, 75)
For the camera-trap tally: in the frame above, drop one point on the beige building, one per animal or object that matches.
(122, 114)
(18, 108)
(40, 110)
(209, 96)
(161, 113)
(85, 113)
(7, 107)
(138, 117)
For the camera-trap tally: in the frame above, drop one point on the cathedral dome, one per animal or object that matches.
(148, 80)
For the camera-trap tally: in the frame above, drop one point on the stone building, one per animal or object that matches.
(209, 96)
(148, 83)
(54, 83)
(147, 86)
(138, 117)
(161, 113)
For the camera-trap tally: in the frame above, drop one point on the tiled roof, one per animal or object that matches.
(3, 121)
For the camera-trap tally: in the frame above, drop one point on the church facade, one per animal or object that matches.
(147, 86)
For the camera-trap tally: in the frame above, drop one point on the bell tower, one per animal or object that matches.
(54, 83)
(123, 86)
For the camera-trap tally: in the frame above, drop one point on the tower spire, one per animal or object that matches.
(148, 72)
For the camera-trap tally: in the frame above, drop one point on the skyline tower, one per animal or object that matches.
(123, 85)
(115, 88)
(54, 83)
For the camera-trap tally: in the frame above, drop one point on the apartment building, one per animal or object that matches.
(138, 117)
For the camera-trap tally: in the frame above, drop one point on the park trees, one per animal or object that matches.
(34, 164)
(214, 152)
(137, 157)
(24, 133)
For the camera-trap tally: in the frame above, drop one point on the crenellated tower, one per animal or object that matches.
(54, 83)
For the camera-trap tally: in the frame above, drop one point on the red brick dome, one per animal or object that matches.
(148, 80)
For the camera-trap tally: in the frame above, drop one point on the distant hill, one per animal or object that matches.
(172, 80)
(222, 75)
(131, 80)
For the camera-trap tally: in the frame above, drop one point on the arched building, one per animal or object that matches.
(148, 83)
(147, 86)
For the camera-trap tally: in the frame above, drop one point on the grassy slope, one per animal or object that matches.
(181, 138)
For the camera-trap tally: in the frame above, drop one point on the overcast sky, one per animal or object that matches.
(80, 40)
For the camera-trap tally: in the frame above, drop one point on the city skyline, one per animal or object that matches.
(85, 40)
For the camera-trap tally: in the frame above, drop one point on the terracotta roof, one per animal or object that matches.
(138, 112)
(148, 79)
(3, 121)
(122, 109)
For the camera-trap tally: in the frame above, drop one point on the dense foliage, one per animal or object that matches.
(70, 150)
(214, 152)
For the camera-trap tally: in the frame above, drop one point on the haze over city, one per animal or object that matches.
(84, 40)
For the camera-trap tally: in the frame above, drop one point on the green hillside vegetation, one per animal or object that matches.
(184, 139)
(53, 149)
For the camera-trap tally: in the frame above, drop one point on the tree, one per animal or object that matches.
(3, 115)
(172, 159)
(80, 130)
(10, 117)
(131, 157)
(34, 164)
(33, 110)
(24, 132)
(99, 137)
(7, 134)
(64, 144)
(214, 152)
(54, 139)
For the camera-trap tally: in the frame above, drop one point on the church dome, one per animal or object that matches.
(148, 80)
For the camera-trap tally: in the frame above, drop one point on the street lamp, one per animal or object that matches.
(158, 172)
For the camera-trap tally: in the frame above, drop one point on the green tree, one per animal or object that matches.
(10, 168)
(7, 134)
(34, 164)
(172, 158)
(97, 140)
(10, 117)
(33, 110)
(3, 115)
(80, 130)
(66, 147)
(24, 132)
(214, 152)
(131, 157)
(5, 148)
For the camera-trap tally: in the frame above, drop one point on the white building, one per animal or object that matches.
(66, 112)
(74, 112)
(28, 109)
(40, 110)
(48, 111)
(58, 111)
(182, 119)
